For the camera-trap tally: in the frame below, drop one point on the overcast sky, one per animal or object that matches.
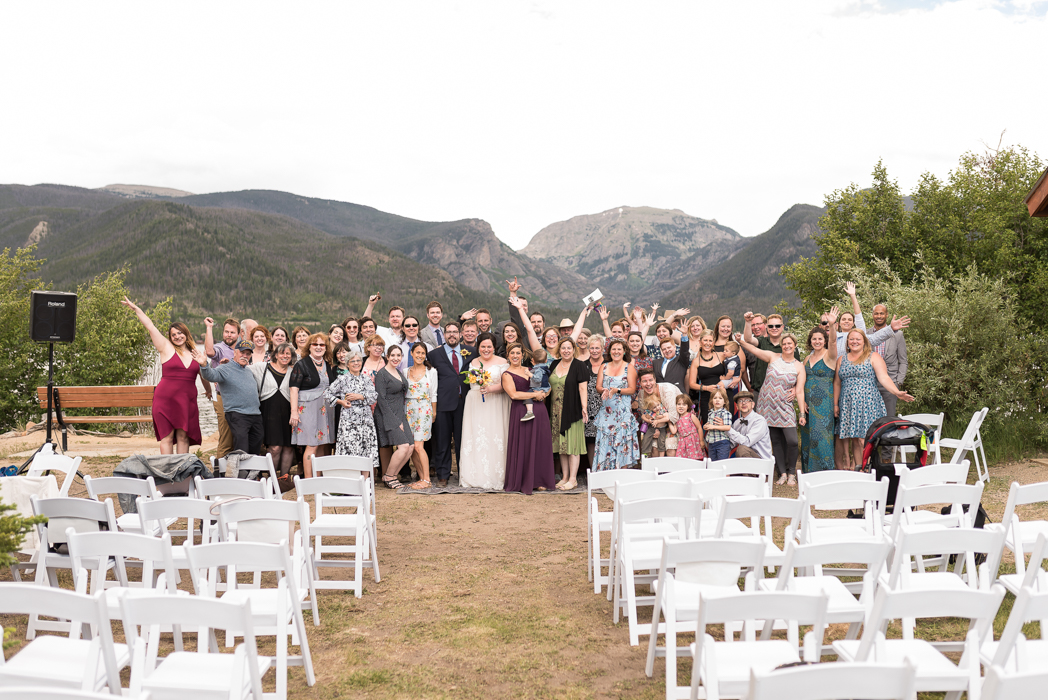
(520, 113)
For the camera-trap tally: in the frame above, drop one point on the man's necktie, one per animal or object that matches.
(455, 360)
(440, 337)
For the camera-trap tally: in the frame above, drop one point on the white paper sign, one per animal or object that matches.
(593, 298)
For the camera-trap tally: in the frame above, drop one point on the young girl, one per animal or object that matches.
(717, 433)
(654, 421)
(689, 430)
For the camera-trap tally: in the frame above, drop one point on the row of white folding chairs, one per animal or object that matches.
(653, 469)
(264, 529)
(76, 667)
(689, 570)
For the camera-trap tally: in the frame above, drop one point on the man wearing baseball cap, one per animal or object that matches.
(239, 396)
(749, 434)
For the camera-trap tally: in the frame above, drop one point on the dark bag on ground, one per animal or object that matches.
(882, 440)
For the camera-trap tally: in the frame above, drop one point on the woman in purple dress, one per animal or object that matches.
(529, 453)
(176, 419)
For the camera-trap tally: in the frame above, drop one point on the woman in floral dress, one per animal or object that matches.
(616, 427)
(355, 393)
(857, 400)
(421, 407)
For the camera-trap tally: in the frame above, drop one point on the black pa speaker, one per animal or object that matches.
(52, 317)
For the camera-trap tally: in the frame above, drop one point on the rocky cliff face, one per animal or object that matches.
(635, 251)
(475, 257)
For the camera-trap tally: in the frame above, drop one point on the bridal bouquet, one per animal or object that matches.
(478, 375)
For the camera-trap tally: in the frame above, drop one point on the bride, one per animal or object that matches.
(485, 423)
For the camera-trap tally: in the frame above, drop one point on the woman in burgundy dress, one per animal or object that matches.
(176, 419)
(529, 452)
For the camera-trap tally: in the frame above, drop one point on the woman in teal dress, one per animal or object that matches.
(616, 427)
(817, 434)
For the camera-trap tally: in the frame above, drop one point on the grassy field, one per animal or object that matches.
(486, 596)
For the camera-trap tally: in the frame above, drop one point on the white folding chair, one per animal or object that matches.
(599, 521)
(972, 442)
(714, 491)
(1021, 535)
(360, 525)
(222, 489)
(935, 672)
(741, 466)
(723, 669)
(1034, 576)
(1013, 652)
(931, 475)
(272, 521)
(833, 681)
(274, 611)
(863, 496)
(653, 528)
(933, 421)
(663, 465)
(758, 510)
(80, 514)
(805, 570)
(123, 485)
(47, 461)
(639, 551)
(963, 501)
(826, 476)
(349, 466)
(204, 674)
(259, 463)
(158, 513)
(1001, 685)
(90, 552)
(687, 568)
(71, 663)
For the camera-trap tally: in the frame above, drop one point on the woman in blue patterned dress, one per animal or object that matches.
(616, 427)
(817, 435)
(856, 398)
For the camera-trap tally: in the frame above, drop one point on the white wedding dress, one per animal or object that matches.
(485, 429)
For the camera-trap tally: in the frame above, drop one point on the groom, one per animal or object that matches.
(450, 360)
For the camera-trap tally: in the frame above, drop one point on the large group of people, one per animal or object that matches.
(499, 400)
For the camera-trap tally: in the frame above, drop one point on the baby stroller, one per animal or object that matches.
(880, 453)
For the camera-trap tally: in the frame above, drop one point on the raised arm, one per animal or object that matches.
(649, 321)
(604, 313)
(209, 336)
(518, 303)
(837, 389)
(516, 314)
(579, 325)
(162, 345)
(764, 355)
(372, 300)
(747, 332)
(849, 289)
(831, 337)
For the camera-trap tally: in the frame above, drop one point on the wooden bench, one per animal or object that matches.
(67, 397)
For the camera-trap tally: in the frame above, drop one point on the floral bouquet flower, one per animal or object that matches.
(477, 375)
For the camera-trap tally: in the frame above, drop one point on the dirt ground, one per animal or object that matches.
(482, 596)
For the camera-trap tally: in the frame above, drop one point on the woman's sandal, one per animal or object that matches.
(421, 484)
(392, 483)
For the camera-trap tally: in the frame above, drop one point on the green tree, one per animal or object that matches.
(23, 359)
(111, 347)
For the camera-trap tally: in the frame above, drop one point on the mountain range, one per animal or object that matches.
(287, 257)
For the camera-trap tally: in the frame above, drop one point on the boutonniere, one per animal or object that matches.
(466, 353)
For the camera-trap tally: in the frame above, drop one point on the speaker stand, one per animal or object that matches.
(50, 386)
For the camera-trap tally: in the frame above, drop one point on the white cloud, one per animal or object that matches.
(519, 113)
